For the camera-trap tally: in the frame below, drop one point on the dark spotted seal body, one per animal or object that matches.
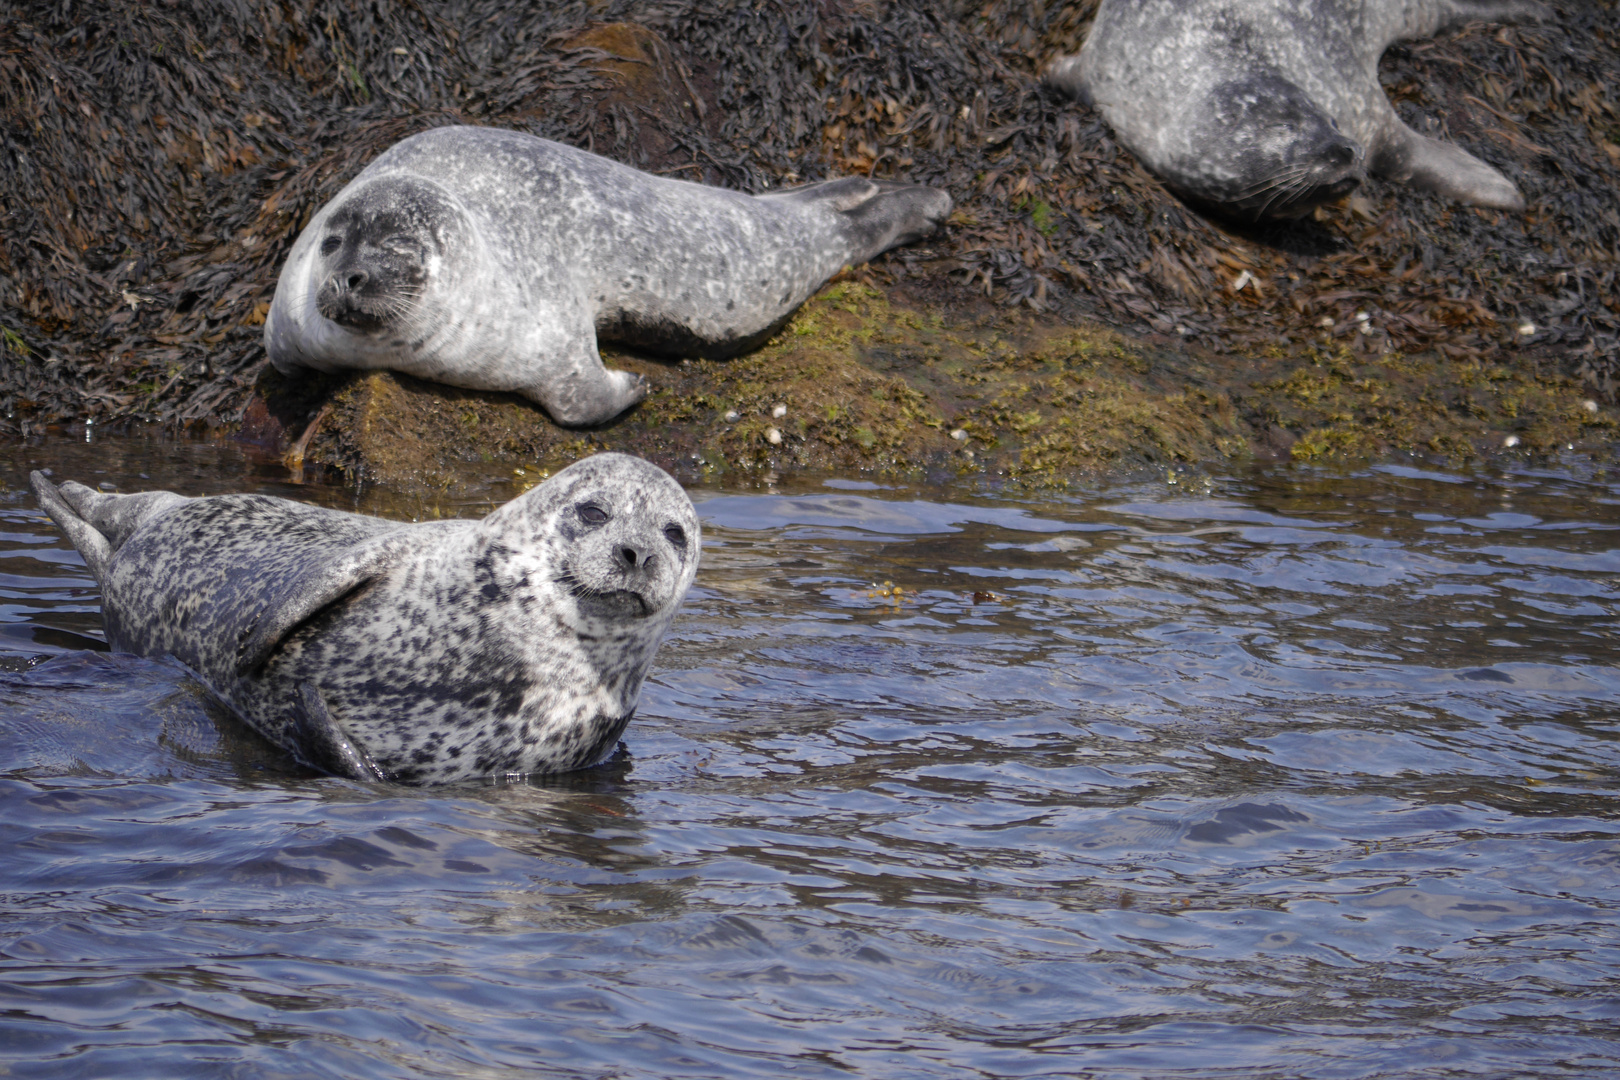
(420, 653)
(1268, 108)
(494, 260)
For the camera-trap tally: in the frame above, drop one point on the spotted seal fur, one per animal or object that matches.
(495, 260)
(1263, 109)
(419, 653)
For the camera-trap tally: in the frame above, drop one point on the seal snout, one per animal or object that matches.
(632, 556)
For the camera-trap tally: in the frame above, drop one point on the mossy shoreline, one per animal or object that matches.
(865, 380)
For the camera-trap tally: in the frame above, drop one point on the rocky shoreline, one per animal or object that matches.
(1072, 320)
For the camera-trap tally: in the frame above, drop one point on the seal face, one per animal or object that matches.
(1259, 109)
(380, 248)
(495, 260)
(419, 653)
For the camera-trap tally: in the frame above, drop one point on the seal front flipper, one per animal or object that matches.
(1446, 169)
(1063, 75)
(303, 595)
(321, 744)
(576, 389)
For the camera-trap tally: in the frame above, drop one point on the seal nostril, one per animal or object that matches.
(630, 557)
(356, 279)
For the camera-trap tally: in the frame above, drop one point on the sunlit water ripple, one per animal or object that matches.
(1284, 775)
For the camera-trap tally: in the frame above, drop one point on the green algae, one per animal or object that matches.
(860, 382)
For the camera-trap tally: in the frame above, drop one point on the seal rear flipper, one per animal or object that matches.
(81, 534)
(879, 214)
(319, 585)
(1456, 12)
(118, 516)
(322, 745)
(843, 195)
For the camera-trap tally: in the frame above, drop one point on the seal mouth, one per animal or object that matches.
(620, 604)
(610, 604)
(366, 314)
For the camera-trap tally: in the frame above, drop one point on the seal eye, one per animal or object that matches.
(331, 244)
(676, 535)
(591, 514)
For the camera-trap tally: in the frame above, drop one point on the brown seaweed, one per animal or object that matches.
(157, 159)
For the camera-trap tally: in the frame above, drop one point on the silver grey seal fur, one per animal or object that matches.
(1264, 109)
(419, 653)
(494, 260)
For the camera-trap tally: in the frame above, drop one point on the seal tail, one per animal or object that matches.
(62, 504)
(880, 214)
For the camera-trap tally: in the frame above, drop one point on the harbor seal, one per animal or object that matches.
(1261, 109)
(418, 653)
(494, 260)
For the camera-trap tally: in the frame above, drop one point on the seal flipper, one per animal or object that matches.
(81, 534)
(303, 595)
(1446, 169)
(118, 516)
(1063, 75)
(1456, 12)
(322, 744)
(879, 214)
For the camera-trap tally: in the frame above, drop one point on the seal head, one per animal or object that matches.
(380, 249)
(1266, 150)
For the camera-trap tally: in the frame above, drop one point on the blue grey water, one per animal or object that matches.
(1283, 774)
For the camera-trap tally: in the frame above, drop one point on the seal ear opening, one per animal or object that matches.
(304, 595)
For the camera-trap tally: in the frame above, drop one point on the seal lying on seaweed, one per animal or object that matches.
(1262, 109)
(420, 653)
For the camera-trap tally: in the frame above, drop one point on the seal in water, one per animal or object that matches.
(494, 260)
(1262, 109)
(419, 653)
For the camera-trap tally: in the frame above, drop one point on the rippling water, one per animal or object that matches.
(1284, 775)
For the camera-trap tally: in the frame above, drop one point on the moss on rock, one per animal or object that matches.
(861, 381)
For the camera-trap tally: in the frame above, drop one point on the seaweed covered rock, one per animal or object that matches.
(157, 160)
